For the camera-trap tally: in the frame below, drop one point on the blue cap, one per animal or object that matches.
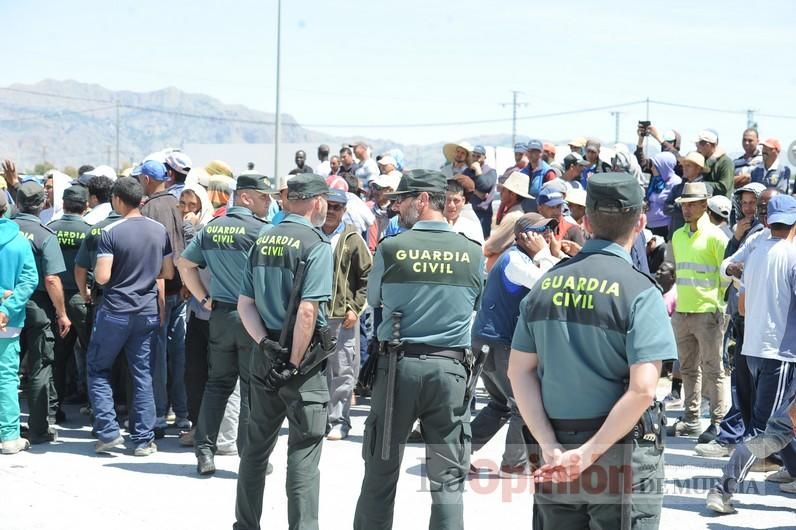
(338, 196)
(152, 169)
(520, 147)
(782, 209)
(550, 197)
(535, 145)
(479, 150)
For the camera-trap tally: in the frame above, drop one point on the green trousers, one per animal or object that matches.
(431, 389)
(64, 348)
(9, 386)
(303, 401)
(594, 500)
(39, 346)
(228, 357)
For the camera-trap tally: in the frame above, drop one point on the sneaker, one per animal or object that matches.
(12, 447)
(780, 477)
(673, 400)
(713, 449)
(513, 471)
(171, 417)
(684, 428)
(789, 487)
(709, 434)
(339, 432)
(718, 501)
(228, 450)
(764, 466)
(187, 438)
(183, 423)
(146, 450)
(104, 447)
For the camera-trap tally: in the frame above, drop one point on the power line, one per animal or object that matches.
(696, 107)
(50, 95)
(54, 115)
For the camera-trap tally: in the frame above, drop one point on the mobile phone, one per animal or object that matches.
(645, 123)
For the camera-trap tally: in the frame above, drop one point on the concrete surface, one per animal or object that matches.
(65, 485)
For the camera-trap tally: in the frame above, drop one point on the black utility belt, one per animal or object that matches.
(416, 350)
(217, 304)
(648, 429)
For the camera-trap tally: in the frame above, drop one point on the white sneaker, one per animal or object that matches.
(713, 449)
(719, 501)
(339, 432)
(789, 487)
(230, 450)
(104, 447)
(12, 447)
(780, 477)
(673, 401)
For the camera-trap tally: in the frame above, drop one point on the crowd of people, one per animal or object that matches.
(217, 304)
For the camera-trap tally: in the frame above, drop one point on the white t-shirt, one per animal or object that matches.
(769, 281)
(471, 229)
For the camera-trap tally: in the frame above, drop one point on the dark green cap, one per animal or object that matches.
(30, 193)
(251, 180)
(306, 186)
(613, 192)
(76, 193)
(420, 180)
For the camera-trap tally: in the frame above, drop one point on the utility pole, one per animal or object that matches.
(514, 104)
(750, 119)
(117, 138)
(616, 115)
(278, 120)
(109, 157)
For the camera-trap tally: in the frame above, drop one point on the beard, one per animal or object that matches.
(410, 217)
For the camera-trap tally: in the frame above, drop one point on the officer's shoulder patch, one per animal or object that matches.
(47, 227)
(385, 237)
(465, 236)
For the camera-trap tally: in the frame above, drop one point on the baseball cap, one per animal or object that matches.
(76, 193)
(520, 147)
(479, 150)
(420, 180)
(179, 162)
(670, 136)
(576, 196)
(772, 143)
(387, 180)
(550, 197)
(152, 169)
(782, 209)
(534, 145)
(574, 158)
(753, 187)
(338, 196)
(529, 221)
(613, 192)
(708, 135)
(99, 171)
(30, 193)
(251, 180)
(306, 186)
(720, 205)
(387, 160)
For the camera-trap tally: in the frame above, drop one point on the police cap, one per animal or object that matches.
(420, 180)
(306, 186)
(613, 192)
(76, 193)
(30, 193)
(251, 180)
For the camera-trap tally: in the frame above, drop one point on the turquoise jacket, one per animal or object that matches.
(17, 273)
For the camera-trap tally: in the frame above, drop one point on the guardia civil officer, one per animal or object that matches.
(223, 246)
(70, 230)
(44, 309)
(286, 284)
(584, 367)
(428, 281)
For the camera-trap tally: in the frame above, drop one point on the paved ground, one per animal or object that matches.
(65, 485)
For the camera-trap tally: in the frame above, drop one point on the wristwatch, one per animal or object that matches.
(204, 300)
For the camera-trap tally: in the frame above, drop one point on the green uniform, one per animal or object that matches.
(70, 230)
(38, 337)
(223, 246)
(433, 277)
(589, 319)
(268, 279)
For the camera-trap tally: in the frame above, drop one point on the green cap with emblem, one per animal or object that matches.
(76, 193)
(251, 180)
(613, 192)
(30, 193)
(306, 186)
(420, 180)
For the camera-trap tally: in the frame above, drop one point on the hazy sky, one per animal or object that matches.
(375, 63)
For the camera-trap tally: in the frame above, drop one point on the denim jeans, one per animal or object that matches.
(135, 335)
(169, 375)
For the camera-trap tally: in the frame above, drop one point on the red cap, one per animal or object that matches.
(773, 143)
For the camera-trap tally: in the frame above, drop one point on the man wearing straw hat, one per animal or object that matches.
(501, 236)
